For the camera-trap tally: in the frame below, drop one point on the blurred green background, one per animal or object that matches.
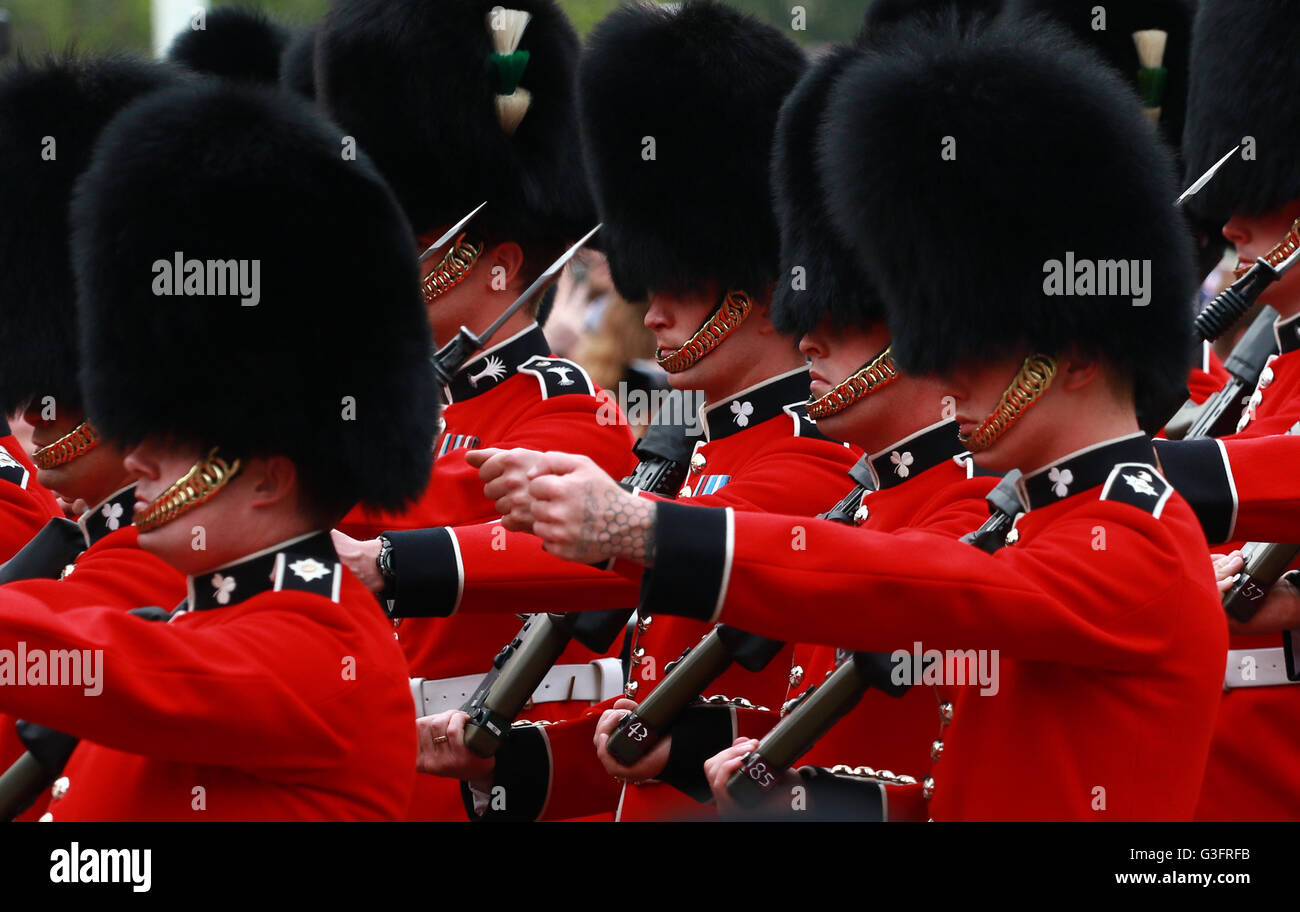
(40, 25)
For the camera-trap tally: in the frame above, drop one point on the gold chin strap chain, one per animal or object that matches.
(1284, 249)
(1032, 381)
(208, 476)
(452, 270)
(77, 442)
(880, 372)
(731, 313)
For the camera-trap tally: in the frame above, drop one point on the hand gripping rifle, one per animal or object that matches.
(47, 753)
(1265, 564)
(1244, 365)
(699, 666)
(817, 709)
(519, 668)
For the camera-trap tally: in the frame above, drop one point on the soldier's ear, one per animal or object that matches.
(505, 260)
(764, 314)
(1077, 371)
(273, 478)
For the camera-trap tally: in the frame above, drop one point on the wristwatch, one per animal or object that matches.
(384, 560)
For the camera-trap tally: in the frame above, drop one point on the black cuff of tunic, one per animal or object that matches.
(698, 734)
(520, 779)
(690, 562)
(1197, 470)
(426, 574)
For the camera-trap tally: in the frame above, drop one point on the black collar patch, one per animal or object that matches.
(759, 403)
(1088, 468)
(497, 364)
(1138, 484)
(11, 469)
(912, 455)
(305, 564)
(113, 514)
(1288, 334)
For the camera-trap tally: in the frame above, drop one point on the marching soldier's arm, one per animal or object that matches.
(483, 568)
(1062, 601)
(220, 693)
(23, 508)
(124, 578)
(1241, 488)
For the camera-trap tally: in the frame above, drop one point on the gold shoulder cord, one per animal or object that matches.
(1284, 249)
(880, 372)
(77, 442)
(208, 476)
(731, 313)
(1032, 381)
(452, 269)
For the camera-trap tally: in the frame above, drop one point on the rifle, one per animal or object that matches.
(518, 669)
(699, 666)
(1244, 365)
(816, 710)
(47, 554)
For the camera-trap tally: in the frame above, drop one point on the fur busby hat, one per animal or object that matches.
(234, 43)
(970, 167)
(50, 114)
(460, 101)
(883, 13)
(242, 285)
(819, 276)
(1155, 65)
(1245, 70)
(679, 106)
(297, 63)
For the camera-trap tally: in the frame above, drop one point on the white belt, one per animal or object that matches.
(592, 682)
(1256, 668)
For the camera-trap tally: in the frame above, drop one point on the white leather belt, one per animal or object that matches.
(1256, 668)
(592, 682)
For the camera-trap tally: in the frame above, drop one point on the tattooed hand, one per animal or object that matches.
(581, 514)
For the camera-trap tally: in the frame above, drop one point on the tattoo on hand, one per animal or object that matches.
(617, 524)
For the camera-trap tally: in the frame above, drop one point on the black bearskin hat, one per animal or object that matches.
(969, 167)
(679, 106)
(1245, 69)
(326, 361)
(819, 276)
(417, 82)
(297, 63)
(50, 114)
(234, 43)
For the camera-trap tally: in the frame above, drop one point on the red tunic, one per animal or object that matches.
(514, 394)
(761, 453)
(25, 506)
(112, 572)
(280, 696)
(1109, 641)
(1254, 768)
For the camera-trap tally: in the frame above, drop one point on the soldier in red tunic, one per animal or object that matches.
(713, 127)
(460, 103)
(254, 422)
(1102, 606)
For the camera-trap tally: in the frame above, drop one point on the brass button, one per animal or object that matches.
(698, 462)
(1013, 536)
(643, 623)
(796, 676)
(862, 514)
(927, 788)
(945, 712)
(59, 788)
(631, 689)
(685, 491)
(67, 571)
(47, 817)
(637, 655)
(936, 750)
